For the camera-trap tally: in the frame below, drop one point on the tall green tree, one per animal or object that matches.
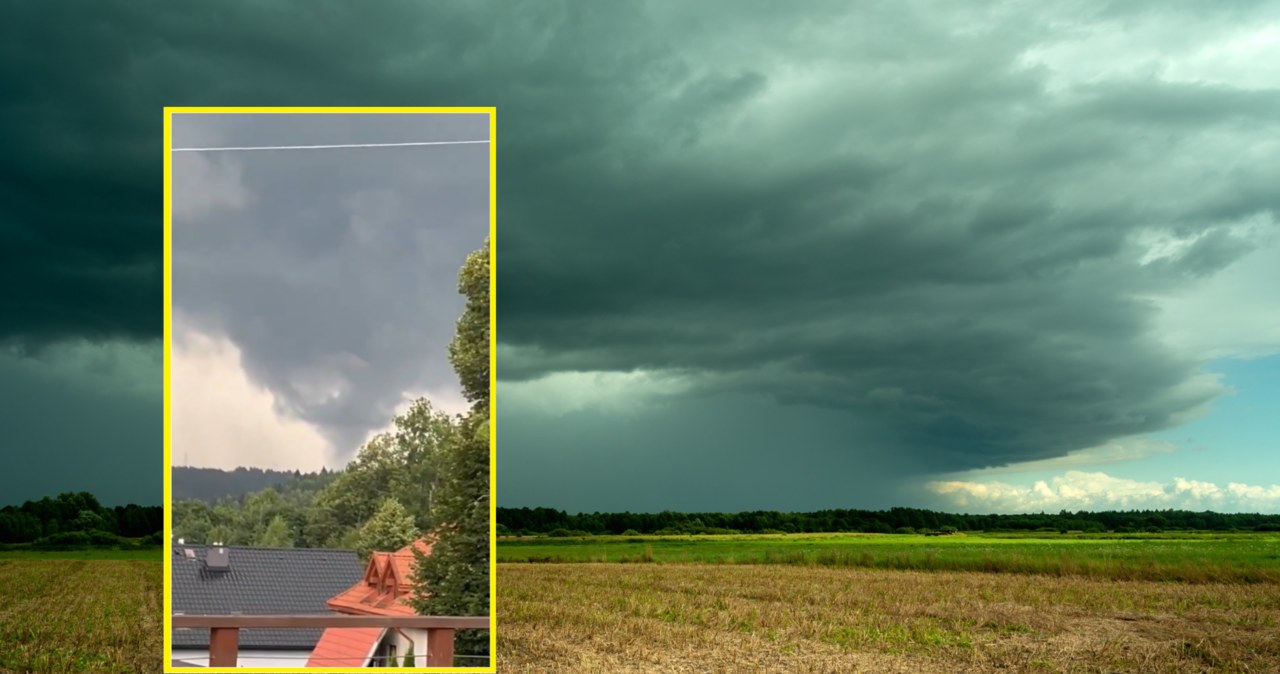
(353, 497)
(276, 534)
(88, 520)
(259, 510)
(469, 350)
(422, 434)
(225, 535)
(391, 528)
(454, 578)
(231, 526)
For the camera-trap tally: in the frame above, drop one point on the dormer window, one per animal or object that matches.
(373, 575)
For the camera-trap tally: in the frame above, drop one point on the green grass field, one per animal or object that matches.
(1190, 557)
(153, 554)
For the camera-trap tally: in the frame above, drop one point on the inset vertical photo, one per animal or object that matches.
(328, 362)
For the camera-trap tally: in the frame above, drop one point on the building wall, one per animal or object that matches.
(253, 659)
(417, 637)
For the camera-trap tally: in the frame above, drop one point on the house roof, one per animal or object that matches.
(259, 581)
(386, 586)
(345, 647)
(403, 559)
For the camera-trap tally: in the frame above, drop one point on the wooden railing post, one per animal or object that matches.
(223, 644)
(440, 647)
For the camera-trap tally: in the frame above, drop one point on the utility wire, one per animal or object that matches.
(323, 147)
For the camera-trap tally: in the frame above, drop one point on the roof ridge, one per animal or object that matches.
(259, 547)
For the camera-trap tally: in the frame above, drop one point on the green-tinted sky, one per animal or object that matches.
(750, 255)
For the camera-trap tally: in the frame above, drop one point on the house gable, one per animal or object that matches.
(386, 586)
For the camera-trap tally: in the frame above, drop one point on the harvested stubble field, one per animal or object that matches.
(70, 614)
(767, 618)
(840, 603)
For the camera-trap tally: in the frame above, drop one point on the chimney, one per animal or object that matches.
(217, 559)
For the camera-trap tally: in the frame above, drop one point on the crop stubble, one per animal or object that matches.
(66, 615)
(775, 618)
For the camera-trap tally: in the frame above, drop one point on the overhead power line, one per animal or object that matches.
(324, 147)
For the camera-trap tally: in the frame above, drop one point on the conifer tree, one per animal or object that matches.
(391, 528)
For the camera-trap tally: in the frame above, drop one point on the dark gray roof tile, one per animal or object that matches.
(260, 581)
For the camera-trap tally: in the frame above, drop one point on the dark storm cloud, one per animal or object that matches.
(895, 211)
(331, 270)
(81, 417)
(938, 242)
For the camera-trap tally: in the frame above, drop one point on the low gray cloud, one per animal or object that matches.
(334, 272)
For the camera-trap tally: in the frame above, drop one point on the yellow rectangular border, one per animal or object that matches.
(493, 361)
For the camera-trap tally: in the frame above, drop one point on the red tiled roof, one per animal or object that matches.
(403, 560)
(364, 600)
(387, 584)
(345, 647)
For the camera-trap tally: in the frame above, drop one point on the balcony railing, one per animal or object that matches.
(224, 630)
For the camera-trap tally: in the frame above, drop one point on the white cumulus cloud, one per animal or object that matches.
(1080, 490)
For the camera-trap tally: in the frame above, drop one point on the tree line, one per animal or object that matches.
(212, 484)
(69, 513)
(389, 487)
(530, 521)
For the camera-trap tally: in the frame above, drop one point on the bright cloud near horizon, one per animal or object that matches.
(1077, 490)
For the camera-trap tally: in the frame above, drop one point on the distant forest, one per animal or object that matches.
(77, 518)
(528, 521)
(211, 484)
(381, 500)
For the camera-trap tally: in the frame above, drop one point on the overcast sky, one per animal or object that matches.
(751, 255)
(862, 255)
(315, 291)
